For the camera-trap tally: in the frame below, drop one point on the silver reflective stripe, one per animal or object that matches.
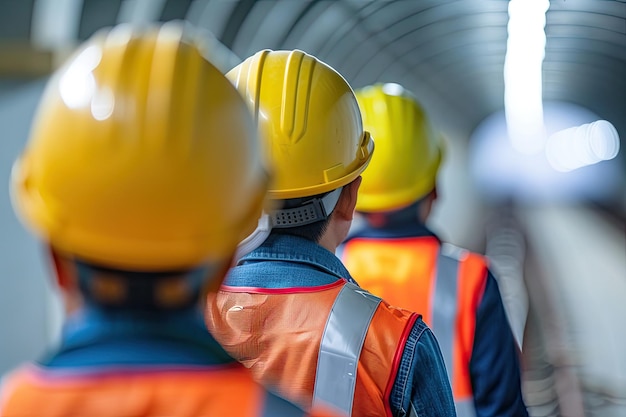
(444, 303)
(444, 311)
(341, 346)
(465, 408)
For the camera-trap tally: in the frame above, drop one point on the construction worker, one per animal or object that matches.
(395, 256)
(142, 174)
(289, 310)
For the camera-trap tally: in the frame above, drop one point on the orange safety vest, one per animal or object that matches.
(333, 345)
(194, 392)
(442, 282)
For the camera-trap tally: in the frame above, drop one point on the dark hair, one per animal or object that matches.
(114, 289)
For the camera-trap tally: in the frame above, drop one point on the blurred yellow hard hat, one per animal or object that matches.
(309, 120)
(142, 155)
(408, 152)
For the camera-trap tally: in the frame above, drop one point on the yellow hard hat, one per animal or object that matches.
(408, 152)
(142, 156)
(309, 120)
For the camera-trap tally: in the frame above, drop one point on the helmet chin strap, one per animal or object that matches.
(310, 211)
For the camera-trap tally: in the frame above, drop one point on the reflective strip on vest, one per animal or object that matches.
(445, 296)
(340, 348)
(465, 408)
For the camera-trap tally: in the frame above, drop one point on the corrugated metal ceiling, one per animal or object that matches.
(451, 53)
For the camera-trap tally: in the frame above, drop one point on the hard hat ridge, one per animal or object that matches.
(408, 152)
(308, 119)
(144, 157)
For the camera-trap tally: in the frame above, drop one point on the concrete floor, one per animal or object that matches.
(576, 348)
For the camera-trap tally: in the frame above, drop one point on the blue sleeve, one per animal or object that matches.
(278, 406)
(494, 366)
(422, 384)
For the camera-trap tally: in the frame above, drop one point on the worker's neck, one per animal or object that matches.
(335, 234)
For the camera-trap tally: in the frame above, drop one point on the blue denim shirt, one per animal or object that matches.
(95, 341)
(494, 365)
(283, 261)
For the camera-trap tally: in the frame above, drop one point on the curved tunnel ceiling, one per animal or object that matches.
(450, 53)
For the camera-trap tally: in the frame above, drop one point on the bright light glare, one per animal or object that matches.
(393, 89)
(102, 104)
(604, 140)
(120, 34)
(583, 145)
(522, 75)
(502, 173)
(77, 85)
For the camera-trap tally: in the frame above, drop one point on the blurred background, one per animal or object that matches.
(529, 94)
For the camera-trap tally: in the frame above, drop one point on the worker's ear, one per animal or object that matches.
(426, 206)
(347, 201)
(66, 276)
(64, 270)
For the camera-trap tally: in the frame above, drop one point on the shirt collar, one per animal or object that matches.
(91, 323)
(93, 337)
(288, 248)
